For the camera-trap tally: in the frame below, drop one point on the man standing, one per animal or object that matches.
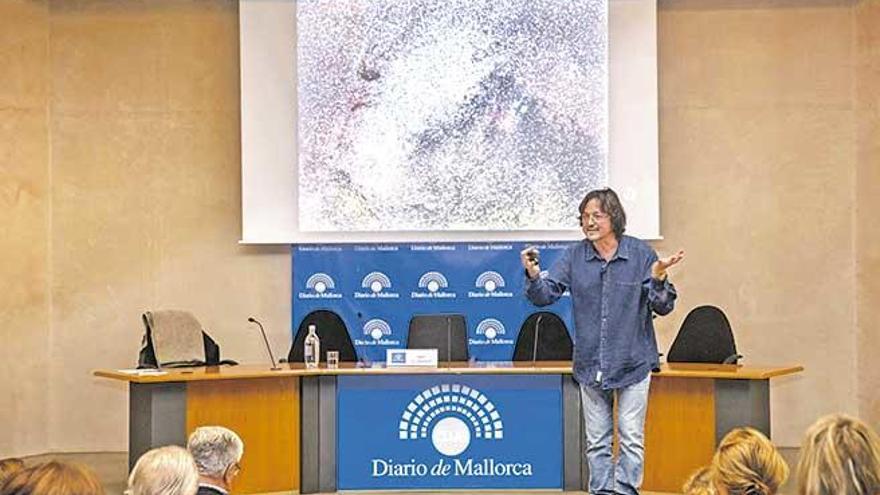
(217, 452)
(616, 282)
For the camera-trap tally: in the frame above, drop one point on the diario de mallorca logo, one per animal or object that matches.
(320, 286)
(490, 331)
(377, 332)
(491, 284)
(377, 285)
(452, 416)
(432, 285)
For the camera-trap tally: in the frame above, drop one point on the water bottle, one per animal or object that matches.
(312, 348)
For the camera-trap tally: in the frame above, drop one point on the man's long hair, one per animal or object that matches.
(609, 204)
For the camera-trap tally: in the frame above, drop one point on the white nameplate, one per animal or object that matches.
(411, 357)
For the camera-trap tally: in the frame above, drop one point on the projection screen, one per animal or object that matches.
(444, 120)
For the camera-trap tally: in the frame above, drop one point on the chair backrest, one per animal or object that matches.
(332, 332)
(705, 336)
(445, 332)
(175, 338)
(554, 341)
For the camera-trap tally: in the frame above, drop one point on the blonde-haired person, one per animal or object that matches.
(10, 466)
(53, 478)
(746, 463)
(164, 471)
(840, 456)
(700, 483)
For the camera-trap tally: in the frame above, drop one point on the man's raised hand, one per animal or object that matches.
(658, 269)
(529, 258)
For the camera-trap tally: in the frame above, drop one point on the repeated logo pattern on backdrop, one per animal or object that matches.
(433, 285)
(319, 286)
(376, 289)
(377, 332)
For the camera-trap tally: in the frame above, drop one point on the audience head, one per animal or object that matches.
(840, 456)
(746, 463)
(217, 452)
(53, 478)
(700, 483)
(164, 471)
(10, 466)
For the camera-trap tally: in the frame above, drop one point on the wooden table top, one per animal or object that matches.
(246, 371)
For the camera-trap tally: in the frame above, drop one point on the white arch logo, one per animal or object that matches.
(320, 283)
(491, 328)
(489, 281)
(452, 414)
(433, 281)
(376, 282)
(377, 328)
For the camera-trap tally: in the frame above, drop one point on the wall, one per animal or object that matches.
(867, 206)
(146, 199)
(757, 181)
(120, 169)
(119, 148)
(24, 224)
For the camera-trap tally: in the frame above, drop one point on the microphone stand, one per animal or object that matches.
(535, 344)
(448, 341)
(266, 340)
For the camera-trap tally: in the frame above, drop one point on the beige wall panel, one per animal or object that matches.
(24, 275)
(156, 56)
(149, 220)
(24, 220)
(24, 39)
(199, 50)
(147, 199)
(104, 267)
(24, 210)
(756, 130)
(106, 58)
(868, 204)
(202, 267)
(746, 53)
(756, 199)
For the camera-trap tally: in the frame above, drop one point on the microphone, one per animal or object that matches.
(266, 340)
(535, 345)
(448, 340)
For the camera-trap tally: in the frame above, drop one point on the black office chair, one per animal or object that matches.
(554, 341)
(176, 339)
(445, 332)
(333, 334)
(705, 336)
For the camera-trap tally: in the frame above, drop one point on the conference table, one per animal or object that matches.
(465, 425)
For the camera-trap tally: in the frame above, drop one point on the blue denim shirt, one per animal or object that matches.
(612, 303)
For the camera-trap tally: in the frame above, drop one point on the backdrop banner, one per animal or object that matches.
(377, 288)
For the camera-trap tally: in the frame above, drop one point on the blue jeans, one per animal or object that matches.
(624, 476)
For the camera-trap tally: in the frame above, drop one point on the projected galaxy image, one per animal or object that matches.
(435, 115)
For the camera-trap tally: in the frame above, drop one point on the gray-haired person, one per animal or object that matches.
(164, 471)
(217, 452)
